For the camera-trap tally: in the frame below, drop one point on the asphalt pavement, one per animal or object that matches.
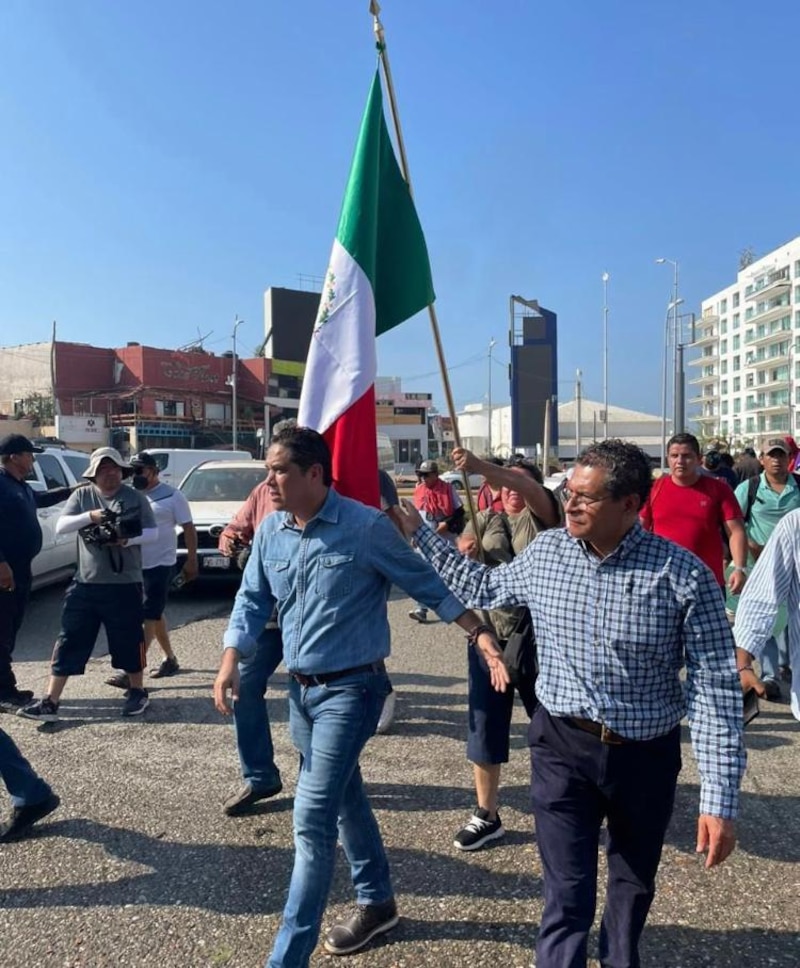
(139, 867)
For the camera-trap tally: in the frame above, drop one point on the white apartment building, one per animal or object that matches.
(746, 375)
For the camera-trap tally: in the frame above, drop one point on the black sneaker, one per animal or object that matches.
(419, 615)
(12, 700)
(45, 710)
(23, 818)
(479, 830)
(135, 703)
(120, 680)
(368, 921)
(168, 667)
(773, 690)
(243, 801)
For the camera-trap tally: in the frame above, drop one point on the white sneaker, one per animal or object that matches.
(387, 714)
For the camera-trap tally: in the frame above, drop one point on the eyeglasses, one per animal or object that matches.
(580, 500)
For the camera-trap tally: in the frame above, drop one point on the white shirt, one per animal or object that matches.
(170, 508)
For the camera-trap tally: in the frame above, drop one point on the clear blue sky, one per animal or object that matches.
(162, 164)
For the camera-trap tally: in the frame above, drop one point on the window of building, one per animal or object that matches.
(723, 327)
(723, 346)
(170, 408)
(217, 412)
(749, 380)
(735, 320)
(735, 300)
(737, 404)
(736, 340)
(723, 306)
(723, 408)
(737, 363)
(797, 269)
(797, 294)
(723, 387)
(723, 367)
(737, 384)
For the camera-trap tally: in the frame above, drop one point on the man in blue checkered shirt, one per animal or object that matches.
(618, 612)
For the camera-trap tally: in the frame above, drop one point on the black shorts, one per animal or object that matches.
(118, 608)
(156, 587)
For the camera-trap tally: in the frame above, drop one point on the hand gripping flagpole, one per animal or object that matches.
(380, 42)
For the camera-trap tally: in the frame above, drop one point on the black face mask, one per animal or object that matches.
(140, 482)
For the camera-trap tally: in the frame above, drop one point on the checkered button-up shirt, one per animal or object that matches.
(614, 633)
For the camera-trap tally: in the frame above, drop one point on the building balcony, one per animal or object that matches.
(705, 359)
(771, 312)
(775, 287)
(775, 336)
(707, 338)
(769, 385)
(700, 381)
(767, 361)
(770, 408)
(710, 398)
(708, 317)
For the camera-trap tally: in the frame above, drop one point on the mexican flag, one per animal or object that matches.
(378, 276)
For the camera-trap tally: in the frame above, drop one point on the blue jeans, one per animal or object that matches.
(250, 717)
(24, 784)
(329, 725)
(773, 656)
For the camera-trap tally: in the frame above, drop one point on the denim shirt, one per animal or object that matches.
(330, 582)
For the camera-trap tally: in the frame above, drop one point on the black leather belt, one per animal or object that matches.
(600, 730)
(321, 678)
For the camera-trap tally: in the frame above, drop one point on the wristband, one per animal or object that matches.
(740, 568)
(472, 637)
(745, 668)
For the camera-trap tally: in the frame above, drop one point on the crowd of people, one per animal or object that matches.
(642, 601)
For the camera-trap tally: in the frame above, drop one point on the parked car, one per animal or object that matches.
(58, 559)
(215, 491)
(175, 463)
(456, 478)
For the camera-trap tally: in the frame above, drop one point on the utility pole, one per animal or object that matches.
(492, 345)
(234, 415)
(605, 354)
(577, 413)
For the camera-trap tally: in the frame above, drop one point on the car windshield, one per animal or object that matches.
(222, 484)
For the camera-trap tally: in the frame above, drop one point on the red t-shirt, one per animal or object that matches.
(692, 516)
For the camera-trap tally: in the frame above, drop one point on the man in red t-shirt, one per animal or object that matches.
(690, 507)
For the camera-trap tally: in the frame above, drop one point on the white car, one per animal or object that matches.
(58, 559)
(456, 478)
(215, 491)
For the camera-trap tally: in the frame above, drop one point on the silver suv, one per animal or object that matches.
(58, 559)
(215, 491)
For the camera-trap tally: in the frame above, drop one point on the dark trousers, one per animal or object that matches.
(12, 611)
(576, 782)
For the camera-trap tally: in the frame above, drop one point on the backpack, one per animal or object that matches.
(752, 490)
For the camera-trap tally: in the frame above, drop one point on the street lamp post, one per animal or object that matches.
(677, 376)
(673, 306)
(234, 416)
(492, 344)
(605, 354)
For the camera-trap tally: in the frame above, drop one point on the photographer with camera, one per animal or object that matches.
(171, 511)
(111, 521)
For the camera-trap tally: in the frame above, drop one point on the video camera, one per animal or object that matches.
(116, 524)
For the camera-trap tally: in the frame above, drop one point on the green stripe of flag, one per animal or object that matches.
(379, 225)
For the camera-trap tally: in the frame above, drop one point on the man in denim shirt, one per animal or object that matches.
(326, 563)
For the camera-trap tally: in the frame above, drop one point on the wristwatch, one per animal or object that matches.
(740, 568)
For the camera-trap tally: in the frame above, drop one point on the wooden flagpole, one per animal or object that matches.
(380, 39)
